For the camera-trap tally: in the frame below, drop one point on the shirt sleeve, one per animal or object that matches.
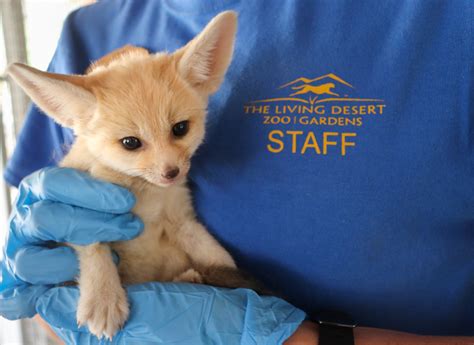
(42, 142)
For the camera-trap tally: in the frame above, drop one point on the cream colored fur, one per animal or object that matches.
(133, 93)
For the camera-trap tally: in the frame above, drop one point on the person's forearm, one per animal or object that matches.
(43, 324)
(307, 334)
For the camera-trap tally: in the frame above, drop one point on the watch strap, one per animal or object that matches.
(330, 334)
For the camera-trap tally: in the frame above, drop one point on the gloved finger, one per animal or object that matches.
(51, 221)
(39, 265)
(20, 301)
(61, 303)
(74, 187)
(58, 308)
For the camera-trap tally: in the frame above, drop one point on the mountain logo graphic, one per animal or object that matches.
(326, 88)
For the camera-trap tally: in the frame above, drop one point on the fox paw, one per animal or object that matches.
(190, 276)
(104, 312)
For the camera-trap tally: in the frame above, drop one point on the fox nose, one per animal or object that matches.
(171, 173)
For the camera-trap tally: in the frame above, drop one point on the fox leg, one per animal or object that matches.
(202, 248)
(213, 264)
(103, 304)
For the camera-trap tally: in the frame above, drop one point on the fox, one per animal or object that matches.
(138, 118)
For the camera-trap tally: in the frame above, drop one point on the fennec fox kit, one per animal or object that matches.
(138, 118)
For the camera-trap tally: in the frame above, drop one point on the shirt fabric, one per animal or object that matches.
(338, 162)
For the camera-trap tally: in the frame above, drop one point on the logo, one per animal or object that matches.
(316, 103)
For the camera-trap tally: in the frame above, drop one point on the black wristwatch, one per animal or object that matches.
(335, 328)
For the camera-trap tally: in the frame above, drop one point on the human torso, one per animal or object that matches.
(366, 210)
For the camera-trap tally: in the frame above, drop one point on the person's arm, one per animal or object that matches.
(64, 205)
(181, 314)
(307, 334)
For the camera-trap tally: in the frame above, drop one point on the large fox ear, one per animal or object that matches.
(204, 60)
(63, 97)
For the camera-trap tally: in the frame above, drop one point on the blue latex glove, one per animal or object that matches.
(181, 314)
(57, 205)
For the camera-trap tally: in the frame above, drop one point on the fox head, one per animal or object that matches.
(140, 114)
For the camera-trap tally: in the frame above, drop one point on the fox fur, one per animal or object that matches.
(131, 93)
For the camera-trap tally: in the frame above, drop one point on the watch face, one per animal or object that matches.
(335, 318)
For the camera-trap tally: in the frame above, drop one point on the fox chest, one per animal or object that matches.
(154, 255)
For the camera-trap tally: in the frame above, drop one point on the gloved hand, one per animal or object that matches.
(64, 205)
(181, 314)
(57, 205)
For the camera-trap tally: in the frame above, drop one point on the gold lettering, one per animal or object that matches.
(345, 143)
(293, 141)
(280, 146)
(313, 144)
(326, 142)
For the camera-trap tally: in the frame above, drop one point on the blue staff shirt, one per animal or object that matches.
(339, 160)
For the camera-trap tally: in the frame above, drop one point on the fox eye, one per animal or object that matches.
(180, 129)
(131, 143)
